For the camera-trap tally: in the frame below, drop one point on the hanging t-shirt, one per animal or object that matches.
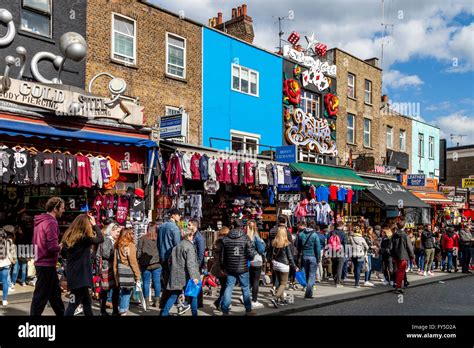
(115, 174)
(195, 202)
(312, 192)
(287, 175)
(71, 170)
(138, 205)
(96, 173)
(105, 170)
(47, 173)
(275, 175)
(122, 209)
(186, 165)
(333, 193)
(37, 168)
(204, 167)
(322, 193)
(341, 194)
(22, 167)
(61, 173)
(227, 172)
(83, 172)
(269, 169)
(349, 196)
(99, 205)
(281, 175)
(262, 174)
(220, 173)
(196, 174)
(109, 202)
(6, 164)
(212, 169)
(234, 168)
(249, 173)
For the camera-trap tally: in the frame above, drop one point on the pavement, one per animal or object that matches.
(326, 294)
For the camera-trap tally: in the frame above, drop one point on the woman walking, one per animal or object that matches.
(216, 265)
(126, 270)
(370, 239)
(78, 239)
(257, 262)
(7, 258)
(359, 253)
(385, 248)
(149, 260)
(282, 260)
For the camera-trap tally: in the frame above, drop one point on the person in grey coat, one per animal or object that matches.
(183, 266)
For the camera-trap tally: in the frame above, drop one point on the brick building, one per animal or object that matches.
(157, 52)
(459, 164)
(240, 25)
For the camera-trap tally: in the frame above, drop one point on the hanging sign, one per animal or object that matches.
(173, 126)
(416, 179)
(468, 183)
(286, 154)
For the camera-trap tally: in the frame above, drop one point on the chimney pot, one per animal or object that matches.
(239, 11)
(219, 18)
(244, 10)
(234, 13)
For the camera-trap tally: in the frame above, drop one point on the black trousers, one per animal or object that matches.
(255, 281)
(78, 296)
(46, 289)
(165, 275)
(115, 299)
(466, 257)
(337, 264)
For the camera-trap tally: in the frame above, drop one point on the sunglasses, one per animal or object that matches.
(58, 205)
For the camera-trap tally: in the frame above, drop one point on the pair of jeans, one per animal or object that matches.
(450, 259)
(344, 268)
(368, 273)
(400, 275)
(421, 260)
(47, 289)
(78, 296)
(429, 256)
(147, 276)
(223, 283)
(358, 264)
(283, 280)
(173, 296)
(254, 273)
(410, 264)
(337, 265)
(20, 265)
(124, 301)
(466, 257)
(310, 264)
(244, 286)
(5, 283)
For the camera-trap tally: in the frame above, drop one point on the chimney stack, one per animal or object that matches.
(239, 26)
(239, 11)
(234, 13)
(219, 18)
(244, 10)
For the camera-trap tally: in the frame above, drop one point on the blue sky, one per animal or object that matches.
(428, 48)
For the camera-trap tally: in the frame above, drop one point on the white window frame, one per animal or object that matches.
(403, 140)
(421, 145)
(40, 12)
(390, 133)
(353, 85)
(369, 132)
(112, 33)
(309, 96)
(171, 110)
(184, 55)
(431, 147)
(250, 71)
(352, 129)
(368, 92)
(245, 136)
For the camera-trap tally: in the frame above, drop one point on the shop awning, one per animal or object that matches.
(432, 197)
(393, 194)
(19, 126)
(329, 174)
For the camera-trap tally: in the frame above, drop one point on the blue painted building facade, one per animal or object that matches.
(425, 149)
(242, 93)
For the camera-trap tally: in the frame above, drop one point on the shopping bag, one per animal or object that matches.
(138, 295)
(300, 278)
(192, 290)
(31, 270)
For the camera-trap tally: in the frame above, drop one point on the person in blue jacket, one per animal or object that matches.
(309, 250)
(200, 246)
(322, 245)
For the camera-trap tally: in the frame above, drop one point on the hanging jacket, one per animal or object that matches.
(83, 172)
(204, 167)
(174, 172)
(114, 167)
(6, 164)
(71, 170)
(195, 159)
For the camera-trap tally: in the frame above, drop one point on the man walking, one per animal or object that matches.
(237, 250)
(402, 251)
(308, 251)
(322, 245)
(427, 241)
(45, 240)
(336, 251)
(200, 246)
(465, 240)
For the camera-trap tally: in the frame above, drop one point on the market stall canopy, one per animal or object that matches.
(329, 174)
(20, 126)
(432, 197)
(392, 193)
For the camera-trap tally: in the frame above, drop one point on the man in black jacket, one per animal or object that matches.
(427, 240)
(402, 251)
(465, 240)
(237, 251)
(336, 251)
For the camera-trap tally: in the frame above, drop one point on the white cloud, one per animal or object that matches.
(439, 106)
(458, 123)
(396, 79)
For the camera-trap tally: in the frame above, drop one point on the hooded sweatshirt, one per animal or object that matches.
(450, 241)
(45, 240)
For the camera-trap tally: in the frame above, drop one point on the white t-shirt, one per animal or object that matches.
(262, 174)
(281, 175)
(212, 168)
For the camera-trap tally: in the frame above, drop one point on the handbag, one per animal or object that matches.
(301, 277)
(126, 278)
(31, 270)
(192, 290)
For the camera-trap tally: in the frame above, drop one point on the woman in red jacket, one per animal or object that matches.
(450, 244)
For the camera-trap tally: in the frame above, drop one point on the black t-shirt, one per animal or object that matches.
(138, 204)
(71, 170)
(61, 173)
(22, 167)
(6, 165)
(47, 174)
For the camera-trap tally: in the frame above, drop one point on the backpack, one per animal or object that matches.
(334, 243)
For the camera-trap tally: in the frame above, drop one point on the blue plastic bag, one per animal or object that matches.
(192, 290)
(301, 277)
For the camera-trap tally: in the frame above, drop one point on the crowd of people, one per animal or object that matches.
(110, 261)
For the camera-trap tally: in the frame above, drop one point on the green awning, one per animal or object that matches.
(329, 175)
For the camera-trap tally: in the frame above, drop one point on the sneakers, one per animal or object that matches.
(284, 302)
(369, 284)
(420, 272)
(425, 274)
(79, 310)
(391, 283)
(274, 302)
(4, 303)
(241, 299)
(11, 288)
(256, 304)
(357, 286)
(252, 313)
(430, 273)
(23, 284)
(217, 304)
(384, 282)
(339, 286)
(273, 291)
(398, 291)
(183, 309)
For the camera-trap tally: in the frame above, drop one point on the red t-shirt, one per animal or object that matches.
(84, 172)
(227, 172)
(122, 209)
(249, 173)
(235, 172)
(333, 193)
(196, 173)
(220, 173)
(349, 196)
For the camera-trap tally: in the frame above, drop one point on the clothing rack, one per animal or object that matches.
(56, 147)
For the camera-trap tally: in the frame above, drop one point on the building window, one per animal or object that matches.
(175, 55)
(351, 85)
(431, 174)
(350, 129)
(310, 103)
(172, 110)
(421, 172)
(389, 137)
(124, 38)
(421, 145)
(245, 80)
(431, 147)
(368, 92)
(403, 140)
(36, 17)
(244, 142)
(367, 132)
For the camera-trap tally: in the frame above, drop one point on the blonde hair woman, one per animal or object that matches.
(282, 259)
(385, 251)
(257, 263)
(77, 241)
(359, 253)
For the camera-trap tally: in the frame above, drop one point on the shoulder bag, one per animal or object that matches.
(125, 274)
